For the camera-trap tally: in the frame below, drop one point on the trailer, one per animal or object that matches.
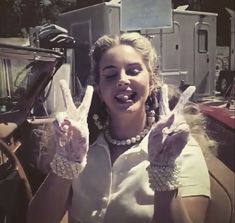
(186, 50)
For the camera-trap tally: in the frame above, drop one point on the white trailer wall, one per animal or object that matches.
(187, 50)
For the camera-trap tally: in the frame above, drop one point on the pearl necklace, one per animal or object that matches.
(129, 141)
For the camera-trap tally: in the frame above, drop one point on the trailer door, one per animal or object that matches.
(171, 49)
(167, 44)
(202, 71)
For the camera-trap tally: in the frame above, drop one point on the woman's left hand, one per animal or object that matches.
(170, 134)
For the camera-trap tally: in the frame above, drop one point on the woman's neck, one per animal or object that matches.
(127, 125)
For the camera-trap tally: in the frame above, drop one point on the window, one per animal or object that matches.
(202, 41)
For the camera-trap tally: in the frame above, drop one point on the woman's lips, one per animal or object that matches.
(125, 97)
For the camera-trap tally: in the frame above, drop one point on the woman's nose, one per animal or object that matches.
(124, 79)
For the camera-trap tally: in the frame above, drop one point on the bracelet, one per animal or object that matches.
(163, 178)
(66, 169)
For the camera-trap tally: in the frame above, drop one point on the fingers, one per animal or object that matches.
(68, 100)
(184, 98)
(160, 125)
(84, 107)
(82, 111)
(164, 106)
(174, 144)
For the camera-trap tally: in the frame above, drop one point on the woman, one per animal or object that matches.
(144, 166)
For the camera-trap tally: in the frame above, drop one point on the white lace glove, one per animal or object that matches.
(167, 139)
(73, 135)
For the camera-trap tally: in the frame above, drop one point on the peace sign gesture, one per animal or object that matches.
(72, 126)
(169, 136)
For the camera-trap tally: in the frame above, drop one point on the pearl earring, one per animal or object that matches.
(150, 115)
(97, 122)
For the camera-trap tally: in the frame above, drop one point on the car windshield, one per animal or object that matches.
(22, 71)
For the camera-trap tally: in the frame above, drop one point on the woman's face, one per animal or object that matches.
(124, 80)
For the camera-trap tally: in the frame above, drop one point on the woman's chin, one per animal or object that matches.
(128, 107)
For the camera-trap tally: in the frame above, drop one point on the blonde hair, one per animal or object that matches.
(197, 124)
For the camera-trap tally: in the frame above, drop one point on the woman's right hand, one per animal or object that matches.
(71, 126)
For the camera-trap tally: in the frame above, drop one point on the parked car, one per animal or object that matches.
(24, 74)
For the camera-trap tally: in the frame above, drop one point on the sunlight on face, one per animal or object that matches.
(124, 80)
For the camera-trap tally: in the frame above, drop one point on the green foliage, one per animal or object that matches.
(17, 16)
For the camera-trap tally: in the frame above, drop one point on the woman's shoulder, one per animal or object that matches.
(192, 157)
(194, 176)
(192, 148)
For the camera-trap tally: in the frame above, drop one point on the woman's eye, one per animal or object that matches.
(110, 76)
(133, 71)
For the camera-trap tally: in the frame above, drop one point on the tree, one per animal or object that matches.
(17, 16)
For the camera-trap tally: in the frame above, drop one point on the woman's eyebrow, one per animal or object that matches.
(108, 67)
(134, 64)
